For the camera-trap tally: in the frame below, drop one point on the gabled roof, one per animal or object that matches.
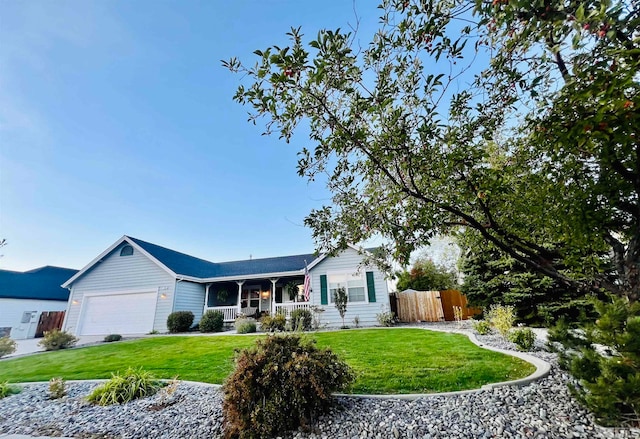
(41, 283)
(179, 263)
(182, 265)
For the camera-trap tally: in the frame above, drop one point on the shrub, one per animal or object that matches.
(482, 327)
(57, 388)
(273, 323)
(179, 321)
(56, 339)
(502, 318)
(212, 321)
(7, 346)
(121, 388)
(280, 384)
(112, 337)
(302, 319)
(386, 318)
(245, 326)
(524, 338)
(604, 359)
(7, 389)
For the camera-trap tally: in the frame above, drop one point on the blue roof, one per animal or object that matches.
(186, 265)
(41, 283)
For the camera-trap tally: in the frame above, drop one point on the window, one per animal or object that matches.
(353, 283)
(250, 297)
(127, 250)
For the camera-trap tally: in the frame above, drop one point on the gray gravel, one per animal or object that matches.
(540, 410)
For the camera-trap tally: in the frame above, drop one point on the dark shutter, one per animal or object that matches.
(323, 290)
(371, 288)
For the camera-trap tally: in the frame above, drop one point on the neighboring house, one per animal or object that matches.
(24, 296)
(133, 286)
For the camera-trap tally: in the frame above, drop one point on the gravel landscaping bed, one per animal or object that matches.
(540, 410)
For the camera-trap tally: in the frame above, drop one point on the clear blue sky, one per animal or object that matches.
(116, 118)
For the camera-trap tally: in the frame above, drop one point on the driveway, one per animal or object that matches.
(30, 345)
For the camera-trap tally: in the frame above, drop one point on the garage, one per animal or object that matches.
(126, 313)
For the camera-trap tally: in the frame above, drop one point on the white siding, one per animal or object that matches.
(190, 297)
(11, 311)
(349, 260)
(117, 273)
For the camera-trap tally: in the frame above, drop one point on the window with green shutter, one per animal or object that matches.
(324, 300)
(371, 288)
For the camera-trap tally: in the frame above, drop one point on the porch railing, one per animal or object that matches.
(286, 308)
(229, 312)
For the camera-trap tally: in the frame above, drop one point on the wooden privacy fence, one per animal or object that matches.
(430, 306)
(48, 321)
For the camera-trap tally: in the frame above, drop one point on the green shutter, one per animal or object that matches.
(371, 288)
(323, 290)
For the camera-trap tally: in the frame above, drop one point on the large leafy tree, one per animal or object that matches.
(517, 119)
(425, 275)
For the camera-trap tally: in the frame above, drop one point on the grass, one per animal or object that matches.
(385, 360)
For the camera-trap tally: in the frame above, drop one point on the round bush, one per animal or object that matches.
(112, 337)
(301, 319)
(245, 326)
(273, 323)
(279, 385)
(57, 339)
(523, 338)
(211, 321)
(179, 321)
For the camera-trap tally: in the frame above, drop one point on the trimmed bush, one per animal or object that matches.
(7, 389)
(301, 319)
(112, 337)
(57, 388)
(245, 326)
(482, 327)
(279, 385)
(179, 321)
(7, 346)
(524, 338)
(121, 388)
(56, 339)
(211, 321)
(273, 323)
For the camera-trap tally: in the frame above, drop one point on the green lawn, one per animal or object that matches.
(385, 360)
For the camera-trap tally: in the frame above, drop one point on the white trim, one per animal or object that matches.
(119, 292)
(360, 250)
(98, 259)
(253, 276)
(80, 322)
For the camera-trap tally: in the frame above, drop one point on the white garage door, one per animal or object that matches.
(118, 314)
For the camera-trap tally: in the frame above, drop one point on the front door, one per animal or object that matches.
(251, 297)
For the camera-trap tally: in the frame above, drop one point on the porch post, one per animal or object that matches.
(273, 294)
(239, 282)
(206, 298)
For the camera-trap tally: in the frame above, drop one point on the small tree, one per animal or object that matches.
(340, 298)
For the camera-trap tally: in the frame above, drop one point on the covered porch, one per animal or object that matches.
(256, 297)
